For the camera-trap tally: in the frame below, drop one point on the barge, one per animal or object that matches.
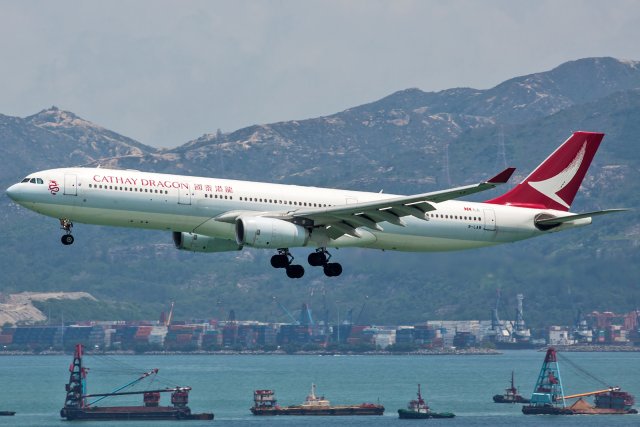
(548, 397)
(78, 407)
(265, 403)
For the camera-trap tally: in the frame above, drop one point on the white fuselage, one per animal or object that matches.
(130, 198)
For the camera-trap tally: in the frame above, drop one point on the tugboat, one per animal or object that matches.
(265, 403)
(77, 406)
(548, 397)
(7, 413)
(418, 409)
(511, 395)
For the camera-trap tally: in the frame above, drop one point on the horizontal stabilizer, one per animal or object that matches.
(569, 218)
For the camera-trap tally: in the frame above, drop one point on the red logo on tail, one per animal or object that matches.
(554, 184)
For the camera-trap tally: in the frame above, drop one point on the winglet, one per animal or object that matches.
(502, 177)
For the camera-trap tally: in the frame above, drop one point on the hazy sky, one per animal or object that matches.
(165, 72)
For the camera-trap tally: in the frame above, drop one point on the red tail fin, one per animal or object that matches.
(554, 184)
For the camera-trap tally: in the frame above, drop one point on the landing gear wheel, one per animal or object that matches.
(284, 260)
(295, 271)
(67, 239)
(66, 225)
(332, 269)
(318, 258)
(279, 261)
(321, 258)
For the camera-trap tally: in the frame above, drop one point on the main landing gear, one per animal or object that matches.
(283, 260)
(321, 258)
(66, 225)
(318, 258)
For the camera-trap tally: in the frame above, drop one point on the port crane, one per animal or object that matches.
(287, 312)
(170, 316)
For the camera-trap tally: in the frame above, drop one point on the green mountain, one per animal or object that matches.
(408, 142)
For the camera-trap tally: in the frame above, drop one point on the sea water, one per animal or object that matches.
(33, 386)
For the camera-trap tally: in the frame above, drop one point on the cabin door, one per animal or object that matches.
(489, 220)
(184, 195)
(71, 185)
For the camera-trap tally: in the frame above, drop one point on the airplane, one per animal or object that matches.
(219, 215)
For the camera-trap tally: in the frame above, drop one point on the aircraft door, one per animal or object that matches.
(71, 185)
(489, 220)
(184, 195)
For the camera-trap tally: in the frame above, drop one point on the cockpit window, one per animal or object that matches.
(33, 180)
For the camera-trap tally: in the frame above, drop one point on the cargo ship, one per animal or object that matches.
(265, 403)
(418, 409)
(548, 396)
(78, 407)
(511, 395)
(7, 413)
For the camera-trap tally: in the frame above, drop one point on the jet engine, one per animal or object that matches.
(200, 243)
(261, 232)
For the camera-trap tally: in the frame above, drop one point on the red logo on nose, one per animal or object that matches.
(54, 187)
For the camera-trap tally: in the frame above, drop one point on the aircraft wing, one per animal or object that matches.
(345, 219)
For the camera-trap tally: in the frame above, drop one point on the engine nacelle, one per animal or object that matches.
(200, 243)
(261, 232)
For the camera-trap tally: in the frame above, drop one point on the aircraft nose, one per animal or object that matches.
(13, 192)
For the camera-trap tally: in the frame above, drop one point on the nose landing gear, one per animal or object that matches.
(321, 258)
(66, 225)
(284, 260)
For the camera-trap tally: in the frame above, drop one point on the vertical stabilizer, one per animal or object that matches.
(554, 184)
